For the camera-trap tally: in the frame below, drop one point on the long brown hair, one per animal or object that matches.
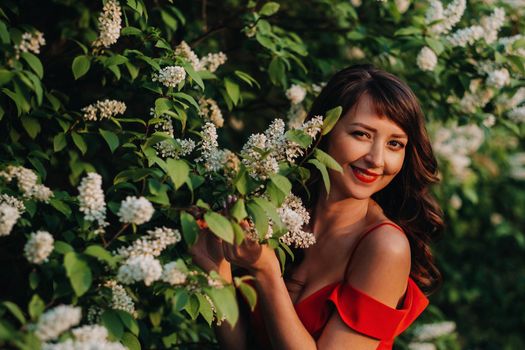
(407, 199)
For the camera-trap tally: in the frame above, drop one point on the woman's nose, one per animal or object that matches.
(375, 157)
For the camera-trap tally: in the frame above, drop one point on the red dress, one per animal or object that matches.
(358, 310)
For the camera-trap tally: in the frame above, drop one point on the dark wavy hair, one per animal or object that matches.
(407, 199)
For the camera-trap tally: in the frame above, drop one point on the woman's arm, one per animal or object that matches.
(381, 271)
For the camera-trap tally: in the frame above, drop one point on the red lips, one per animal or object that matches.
(364, 175)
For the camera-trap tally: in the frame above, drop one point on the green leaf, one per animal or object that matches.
(238, 210)
(407, 31)
(15, 311)
(277, 72)
(331, 118)
(178, 171)
(59, 142)
(60, 206)
(5, 76)
(128, 321)
(111, 139)
(4, 33)
(205, 308)
(115, 60)
(271, 211)
(100, 253)
(79, 273)
(225, 303)
(111, 321)
(247, 78)
(63, 247)
(327, 160)
(435, 45)
(190, 229)
(238, 232)
(134, 175)
(17, 99)
(259, 218)
(34, 63)
(220, 226)
(80, 66)
(269, 8)
(300, 137)
(282, 183)
(31, 125)
(324, 173)
(248, 292)
(36, 307)
(232, 89)
(78, 140)
(192, 307)
(130, 31)
(187, 98)
(162, 105)
(193, 74)
(130, 341)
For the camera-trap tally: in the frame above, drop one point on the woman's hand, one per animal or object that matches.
(207, 253)
(256, 258)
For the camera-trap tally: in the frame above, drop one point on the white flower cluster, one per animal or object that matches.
(120, 300)
(135, 210)
(492, 24)
(91, 199)
(466, 36)
(402, 5)
(31, 42)
(12, 201)
(175, 148)
(517, 114)
(170, 76)
(153, 244)
(506, 102)
(296, 116)
(508, 44)
(476, 97)
(140, 268)
(354, 53)
(456, 144)
(434, 330)
(8, 217)
(517, 166)
(165, 124)
(39, 247)
(260, 163)
(173, 274)
(103, 110)
(209, 110)
(109, 24)
(444, 19)
(498, 78)
(210, 62)
(490, 120)
(295, 217)
(92, 337)
(426, 59)
(296, 94)
(56, 321)
(26, 180)
(215, 159)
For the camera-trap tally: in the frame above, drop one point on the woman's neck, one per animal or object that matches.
(332, 214)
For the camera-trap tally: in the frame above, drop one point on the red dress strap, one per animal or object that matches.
(363, 236)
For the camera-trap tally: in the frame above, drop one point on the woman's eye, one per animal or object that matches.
(397, 144)
(359, 133)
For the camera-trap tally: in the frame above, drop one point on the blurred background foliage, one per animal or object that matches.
(470, 86)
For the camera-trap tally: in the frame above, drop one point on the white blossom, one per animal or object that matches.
(91, 337)
(26, 180)
(296, 116)
(507, 102)
(259, 166)
(173, 275)
(445, 18)
(296, 94)
(140, 268)
(426, 59)
(455, 201)
(165, 124)
(295, 216)
(402, 5)
(104, 109)
(120, 300)
(517, 114)
(489, 121)
(354, 53)
(517, 166)
(109, 24)
(8, 217)
(39, 247)
(91, 199)
(492, 24)
(56, 321)
(356, 3)
(170, 76)
(152, 244)
(498, 78)
(31, 42)
(135, 210)
(466, 36)
(508, 44)
(184, 50)
(209, 110)
(12, 201)
(496, 219)
(41, 193)
(91, 332)
(212, 61)
(434, 330)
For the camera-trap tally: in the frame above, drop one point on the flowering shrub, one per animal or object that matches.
(129, 128)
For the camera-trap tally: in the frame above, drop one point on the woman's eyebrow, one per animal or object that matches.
(398, 136)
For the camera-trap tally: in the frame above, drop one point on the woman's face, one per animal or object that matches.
(369, 147)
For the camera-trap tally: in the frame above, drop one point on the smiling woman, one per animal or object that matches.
(364, 281)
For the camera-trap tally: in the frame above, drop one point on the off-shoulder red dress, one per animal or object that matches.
(358, 310)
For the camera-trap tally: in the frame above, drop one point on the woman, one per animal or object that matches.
(360, 285)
